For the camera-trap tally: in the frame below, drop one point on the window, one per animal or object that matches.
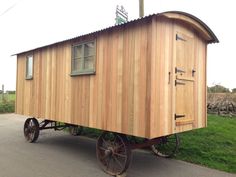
(83, 58)
(29, 67)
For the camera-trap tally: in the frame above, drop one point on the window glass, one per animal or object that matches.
(89, 62)
(89, 49)
(78, 51)
(29, 67)
(83, 58)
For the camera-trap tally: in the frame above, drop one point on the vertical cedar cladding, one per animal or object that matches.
(133, 90)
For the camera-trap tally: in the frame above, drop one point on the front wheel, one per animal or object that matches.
(167, 146)
(113, 153)
(31, 130)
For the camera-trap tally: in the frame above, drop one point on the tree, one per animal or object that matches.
(218, 89)
(234, 90)
(11, 91)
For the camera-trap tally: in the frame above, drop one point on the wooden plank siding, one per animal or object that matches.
(114, 99)
(133, 89)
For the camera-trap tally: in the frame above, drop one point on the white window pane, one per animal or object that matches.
(29, 68)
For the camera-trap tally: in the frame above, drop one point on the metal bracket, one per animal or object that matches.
(178, 116)
(177, 37)
(177, 70)
(179, 83)
(193, 72)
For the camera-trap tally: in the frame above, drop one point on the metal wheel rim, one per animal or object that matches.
(170, 143)
(31, 130)
(113, 154)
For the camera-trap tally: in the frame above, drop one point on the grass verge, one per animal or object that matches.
(7, 106)
(214, 146)
(7, 103)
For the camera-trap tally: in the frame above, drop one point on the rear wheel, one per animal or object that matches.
(113, 153)
(31, 130)
(167, 147)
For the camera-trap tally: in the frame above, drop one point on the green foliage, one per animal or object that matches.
(217, 89)
(91, 132)
(234, 90)
(214, 146)
(7, 103)
(7, 106)
(11, 91)
(7, 97)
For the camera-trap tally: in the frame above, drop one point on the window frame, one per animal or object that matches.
(83, 71)
(27, 76)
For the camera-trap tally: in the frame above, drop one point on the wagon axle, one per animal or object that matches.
(32, 128)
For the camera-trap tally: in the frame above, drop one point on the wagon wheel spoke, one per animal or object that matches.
(121, 145)
(102, 148)
(114, 141)
(120, 155)
(118, 162)
(108, 164)
(104, 142)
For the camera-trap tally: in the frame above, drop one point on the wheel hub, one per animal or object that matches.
(109, 151)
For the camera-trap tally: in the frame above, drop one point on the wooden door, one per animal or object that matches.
(184, 80)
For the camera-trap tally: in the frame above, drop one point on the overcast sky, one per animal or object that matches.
(26, 24)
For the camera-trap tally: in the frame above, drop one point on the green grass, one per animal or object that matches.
(7, 104)
(8, 97)
(214, 146)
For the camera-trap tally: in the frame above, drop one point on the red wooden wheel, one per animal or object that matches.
(31, 130)
(113, 153)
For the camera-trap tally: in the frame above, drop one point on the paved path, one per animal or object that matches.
(57, 154)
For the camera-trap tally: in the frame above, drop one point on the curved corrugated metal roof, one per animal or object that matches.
(213, 36)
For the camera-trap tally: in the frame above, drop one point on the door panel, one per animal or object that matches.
(184, 79)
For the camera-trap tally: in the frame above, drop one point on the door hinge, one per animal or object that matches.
(177, 70)
(178, 116)
(177, 37)
(179, 83)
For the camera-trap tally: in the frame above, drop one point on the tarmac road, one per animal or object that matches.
(57, 154)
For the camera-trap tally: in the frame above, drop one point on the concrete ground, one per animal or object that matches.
(57, 154)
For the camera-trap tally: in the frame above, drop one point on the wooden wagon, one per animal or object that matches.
(145, 78)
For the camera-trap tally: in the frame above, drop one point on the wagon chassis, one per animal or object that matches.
(113, 150)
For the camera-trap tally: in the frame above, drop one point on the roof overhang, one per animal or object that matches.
(195, 22)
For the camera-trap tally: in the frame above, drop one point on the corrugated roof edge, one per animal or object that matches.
(214, 40)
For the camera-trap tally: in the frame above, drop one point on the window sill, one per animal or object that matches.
(83, 73)
(29, 78)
